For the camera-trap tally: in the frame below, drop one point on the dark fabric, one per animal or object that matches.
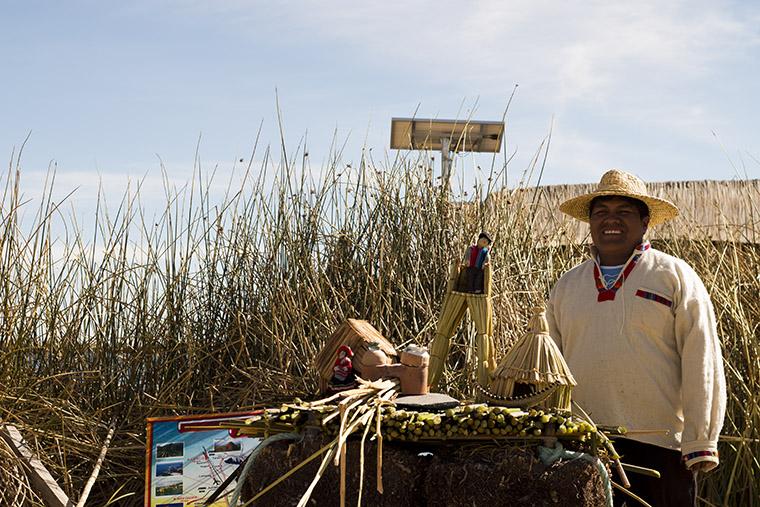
(471, 280)
(677, 486)
(349, 380)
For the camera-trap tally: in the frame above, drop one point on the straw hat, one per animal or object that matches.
(623, 184)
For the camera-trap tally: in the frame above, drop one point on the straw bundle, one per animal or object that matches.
(362, 337)
(536, 362)
(455, 305)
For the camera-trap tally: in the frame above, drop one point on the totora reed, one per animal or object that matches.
(222, 304)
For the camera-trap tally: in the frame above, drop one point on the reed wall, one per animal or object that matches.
(709, 209)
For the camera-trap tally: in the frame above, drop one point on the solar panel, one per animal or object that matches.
(463, 135)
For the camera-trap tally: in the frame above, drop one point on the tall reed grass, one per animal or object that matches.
(218, 305)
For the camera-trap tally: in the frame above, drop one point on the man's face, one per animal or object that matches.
(616, 227)
(482, 242)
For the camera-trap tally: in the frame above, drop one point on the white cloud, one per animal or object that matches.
(634, 60)
(578, 48)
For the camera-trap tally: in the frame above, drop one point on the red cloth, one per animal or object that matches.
(343, 368)
(474, 252)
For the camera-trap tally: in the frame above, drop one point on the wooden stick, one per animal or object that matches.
(621, 473)
(379, 466)
(651, 472)
(341, 430)
(343, 476)
(39, 476)
(643, 432)
(356, 400)
(342, 394)
(361, 415)
(361, 463)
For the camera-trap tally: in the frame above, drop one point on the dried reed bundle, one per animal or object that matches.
(535, 361)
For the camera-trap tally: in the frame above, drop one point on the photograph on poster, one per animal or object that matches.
(227, 446)
(169, 469)
(167, 487)
(170, 450)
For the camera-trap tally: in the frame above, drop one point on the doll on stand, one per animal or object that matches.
(469, 289)
(343, 371)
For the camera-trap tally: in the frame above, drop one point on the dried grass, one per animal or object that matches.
(217, 306)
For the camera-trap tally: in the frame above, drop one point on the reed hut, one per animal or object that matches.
(533, 365)
(370, 348)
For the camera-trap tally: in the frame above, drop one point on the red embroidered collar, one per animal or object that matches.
(605, 294)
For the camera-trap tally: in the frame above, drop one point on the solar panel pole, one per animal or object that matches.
(446, 163)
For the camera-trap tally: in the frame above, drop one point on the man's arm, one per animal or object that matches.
(551, 318)
(703, 384)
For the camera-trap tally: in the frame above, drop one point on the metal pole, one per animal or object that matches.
(446, 163)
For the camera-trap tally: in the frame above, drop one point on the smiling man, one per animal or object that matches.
(638, 331)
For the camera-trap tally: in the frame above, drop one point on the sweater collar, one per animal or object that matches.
(605, 294)
(640, 248)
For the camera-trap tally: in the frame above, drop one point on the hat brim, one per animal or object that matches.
(660, 210)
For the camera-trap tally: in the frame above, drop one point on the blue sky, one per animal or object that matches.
(667, 90)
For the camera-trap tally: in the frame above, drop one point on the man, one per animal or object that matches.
(638, 331)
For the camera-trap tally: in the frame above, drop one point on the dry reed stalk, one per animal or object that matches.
(95, 471)
(222, 305)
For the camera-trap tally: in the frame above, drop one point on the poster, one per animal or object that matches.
(188, 458)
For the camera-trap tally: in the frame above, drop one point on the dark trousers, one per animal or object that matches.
(677, 486)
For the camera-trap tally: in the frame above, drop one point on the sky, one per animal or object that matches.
(664, 89)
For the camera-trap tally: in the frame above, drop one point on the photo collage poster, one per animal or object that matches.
(186, 465)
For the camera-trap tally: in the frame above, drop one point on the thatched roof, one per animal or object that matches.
(535, 358)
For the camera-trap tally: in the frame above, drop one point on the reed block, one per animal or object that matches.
(420, 475)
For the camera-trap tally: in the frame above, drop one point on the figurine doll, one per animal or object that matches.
(343, 370)
(473, 264)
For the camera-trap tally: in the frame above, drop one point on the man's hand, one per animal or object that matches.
(702, 466)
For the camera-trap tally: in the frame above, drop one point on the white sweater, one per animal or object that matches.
(640, 362)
